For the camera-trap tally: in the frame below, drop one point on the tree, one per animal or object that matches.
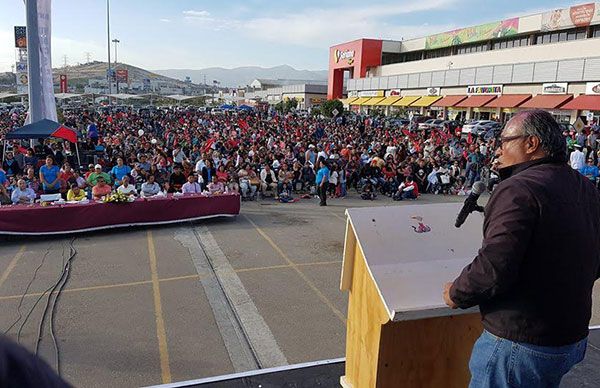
(329, 106)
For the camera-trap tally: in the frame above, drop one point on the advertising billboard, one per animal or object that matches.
(122, 76)
(478, 33)
(576, 16)
(63, 83)
(20, 37)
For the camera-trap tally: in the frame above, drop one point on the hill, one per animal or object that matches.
(242, 76)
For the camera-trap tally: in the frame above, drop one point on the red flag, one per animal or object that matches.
(208, 144)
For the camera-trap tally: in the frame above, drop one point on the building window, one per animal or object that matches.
(443, 52)
(472, 48)
(596, 31)
(510, 43)
(561, 36)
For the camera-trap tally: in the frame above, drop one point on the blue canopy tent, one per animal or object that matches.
(247, 108)
(227, 107)
(41, 130)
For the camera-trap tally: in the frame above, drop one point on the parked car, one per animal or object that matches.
(487, 127)
(432, 123)
(477, 126)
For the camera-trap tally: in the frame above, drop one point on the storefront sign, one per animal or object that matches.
(353, 93)
(370, 93)
(484, 89)
(341, 55)
(592, 88)
(555, 88)
(486, 31)
(577, 16)
(392, 92)
(434, 91)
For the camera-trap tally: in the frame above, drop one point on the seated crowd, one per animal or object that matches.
(255, 155)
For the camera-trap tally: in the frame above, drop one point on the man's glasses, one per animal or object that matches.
(506, 139)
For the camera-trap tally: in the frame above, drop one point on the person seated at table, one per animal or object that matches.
(49, 176)
(92, 179)
(127, 188)
(150, 188)
(22, 194)
(4, 197)
(32, 181)
(119, 171)
(101, 189)
(216, 187)
(191, 186)
(75, 193)
(176, 180)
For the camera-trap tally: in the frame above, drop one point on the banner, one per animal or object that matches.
(42, 104)
(486, 31)
(63, 83)
(576, 16)
(592, 88)
(555, 88)
(20, 37)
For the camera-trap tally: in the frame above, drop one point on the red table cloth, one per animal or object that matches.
(68, 218)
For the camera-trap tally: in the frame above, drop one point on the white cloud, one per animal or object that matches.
(319, 27)
(196, 14)
(165, 20)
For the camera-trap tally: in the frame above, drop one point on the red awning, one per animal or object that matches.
(547, 101)
(508, 101)
(475, 101)
(583, 103)
(449, 101)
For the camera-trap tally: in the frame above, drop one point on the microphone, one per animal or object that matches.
(470, 203)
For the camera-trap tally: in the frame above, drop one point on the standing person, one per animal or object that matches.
(322, 181)
(532, 261)
(577, 158)
(49, 176)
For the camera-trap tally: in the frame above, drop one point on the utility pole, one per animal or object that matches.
(109, 74)
(116, 41)
(88, 56)
(65, 61)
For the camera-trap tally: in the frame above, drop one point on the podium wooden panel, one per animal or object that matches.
(399, 332)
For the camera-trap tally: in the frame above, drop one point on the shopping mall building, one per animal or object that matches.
(548, 60)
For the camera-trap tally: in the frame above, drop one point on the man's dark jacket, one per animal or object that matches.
(540, 257)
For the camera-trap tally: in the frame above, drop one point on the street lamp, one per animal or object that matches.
(109, 74)
(116, 41)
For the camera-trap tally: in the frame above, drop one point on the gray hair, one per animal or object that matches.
(541, 124)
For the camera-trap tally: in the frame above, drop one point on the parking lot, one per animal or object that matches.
(146, 306)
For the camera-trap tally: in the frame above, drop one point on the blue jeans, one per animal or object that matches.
(498, 362)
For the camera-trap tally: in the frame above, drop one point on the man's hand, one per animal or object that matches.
(447, 298)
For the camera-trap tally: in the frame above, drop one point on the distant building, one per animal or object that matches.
(308, 94)
(263, 84)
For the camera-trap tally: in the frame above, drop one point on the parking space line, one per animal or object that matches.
(160, 323)
(288, 266)
(12, 265)
(294, 266)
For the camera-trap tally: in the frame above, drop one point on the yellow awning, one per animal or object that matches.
(347, 101)
(426, 101)
(406, 100)
(373, 101)
(389, 100)
(360, 101)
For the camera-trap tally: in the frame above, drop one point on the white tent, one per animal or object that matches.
(180, 97)
(63, 96)
(9, 94)
(123, 96)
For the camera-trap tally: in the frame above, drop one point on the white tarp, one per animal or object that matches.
(62, 96)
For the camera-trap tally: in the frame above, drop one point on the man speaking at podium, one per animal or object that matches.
(538, 262)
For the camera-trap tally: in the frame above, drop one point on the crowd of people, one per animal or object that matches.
(153, 153)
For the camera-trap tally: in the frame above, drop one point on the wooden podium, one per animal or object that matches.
(400, 333)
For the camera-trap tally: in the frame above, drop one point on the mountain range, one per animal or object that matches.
(242, 76)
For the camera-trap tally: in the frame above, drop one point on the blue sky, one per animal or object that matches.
(200, 33)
